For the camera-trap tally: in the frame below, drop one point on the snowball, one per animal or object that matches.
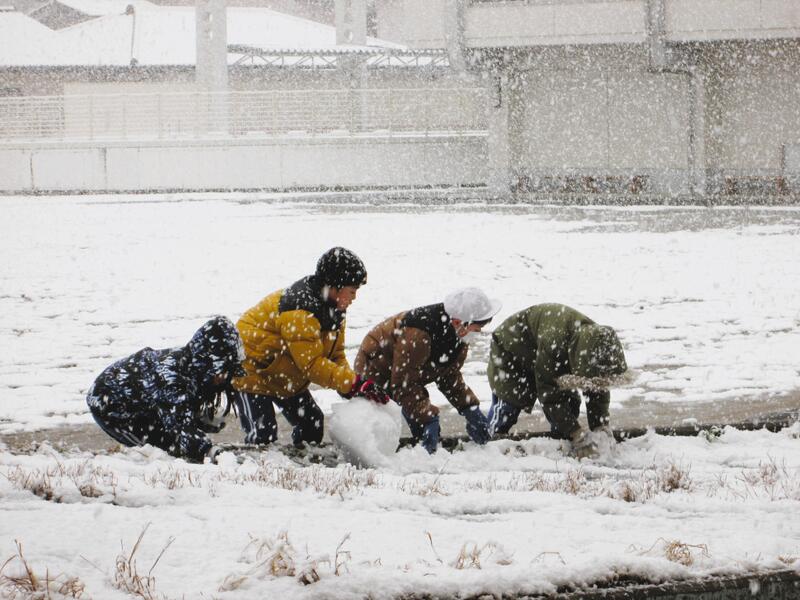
(367, 433)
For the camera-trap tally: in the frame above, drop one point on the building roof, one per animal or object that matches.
(153, 35)
(57, 15)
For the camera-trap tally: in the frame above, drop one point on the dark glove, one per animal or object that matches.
(430, 435)
(367, 388)
(477, 425)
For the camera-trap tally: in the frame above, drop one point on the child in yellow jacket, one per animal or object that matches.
(295, 337)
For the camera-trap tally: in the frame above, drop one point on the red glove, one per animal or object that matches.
(367, 388)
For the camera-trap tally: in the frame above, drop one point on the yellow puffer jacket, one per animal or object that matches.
(293, 338)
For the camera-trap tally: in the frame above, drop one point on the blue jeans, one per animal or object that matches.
(502, 416)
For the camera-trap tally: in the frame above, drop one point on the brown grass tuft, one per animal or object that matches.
(28, 586)
(127, 577)
(172, 479)
(679, 552)
(39, 483)
(276, 556)
(674, 477)
(470, 555)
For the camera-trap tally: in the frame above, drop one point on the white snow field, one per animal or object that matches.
(705, 302)
(507, 518)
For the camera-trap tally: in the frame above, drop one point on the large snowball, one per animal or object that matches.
(366, 432)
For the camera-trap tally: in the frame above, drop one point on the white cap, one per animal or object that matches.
(471, 304)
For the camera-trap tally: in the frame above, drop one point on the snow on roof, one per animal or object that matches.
(163, 35)
(102, 7)
(22, 39)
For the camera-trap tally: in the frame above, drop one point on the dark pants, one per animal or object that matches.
(257, 416)
(146, 428)
(415, 428)
(503, 416)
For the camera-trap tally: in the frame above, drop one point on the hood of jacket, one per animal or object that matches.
(434, 320)
(596, 352)
(214, 348)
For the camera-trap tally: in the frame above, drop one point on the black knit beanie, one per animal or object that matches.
(339, 267)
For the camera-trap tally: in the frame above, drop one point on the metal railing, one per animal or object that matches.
(205, 115)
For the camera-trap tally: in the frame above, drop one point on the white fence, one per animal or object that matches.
(203, 115)
(279, 163)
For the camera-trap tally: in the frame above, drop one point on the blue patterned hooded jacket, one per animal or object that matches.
(170, 394)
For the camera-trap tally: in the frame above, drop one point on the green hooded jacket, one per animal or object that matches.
(535, 347)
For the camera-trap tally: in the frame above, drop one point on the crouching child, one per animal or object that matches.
(171, 398)
(548, 353)
(295, 337)
(425, 345)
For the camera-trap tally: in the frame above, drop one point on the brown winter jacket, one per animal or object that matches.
(398, 357)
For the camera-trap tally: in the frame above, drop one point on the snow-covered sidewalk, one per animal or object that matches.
(503, 519)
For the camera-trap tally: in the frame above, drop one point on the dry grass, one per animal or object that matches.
(677, 551)
(127, 577)
(341, 558)
(27, 585)
(672, 477)
(56, 481)
(471, 555)
(433, 548)
(276, 556)
(422, 487)
(645, 486)
(340, 482)
(770, 479)
(172, 479)
(84, 480)
(37, 482)
(573, 482)
(683, 554)
(632, 491)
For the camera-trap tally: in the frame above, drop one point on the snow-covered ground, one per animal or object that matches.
(503, 519)
(704, 301)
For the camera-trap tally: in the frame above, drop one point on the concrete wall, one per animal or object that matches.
(754, 110)
(523, 23)
(266, 164)
(693, 20)
(418, 23)
(602, 118)
(724, 121)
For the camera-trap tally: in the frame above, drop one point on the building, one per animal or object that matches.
(645, 100)
(674, 98)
